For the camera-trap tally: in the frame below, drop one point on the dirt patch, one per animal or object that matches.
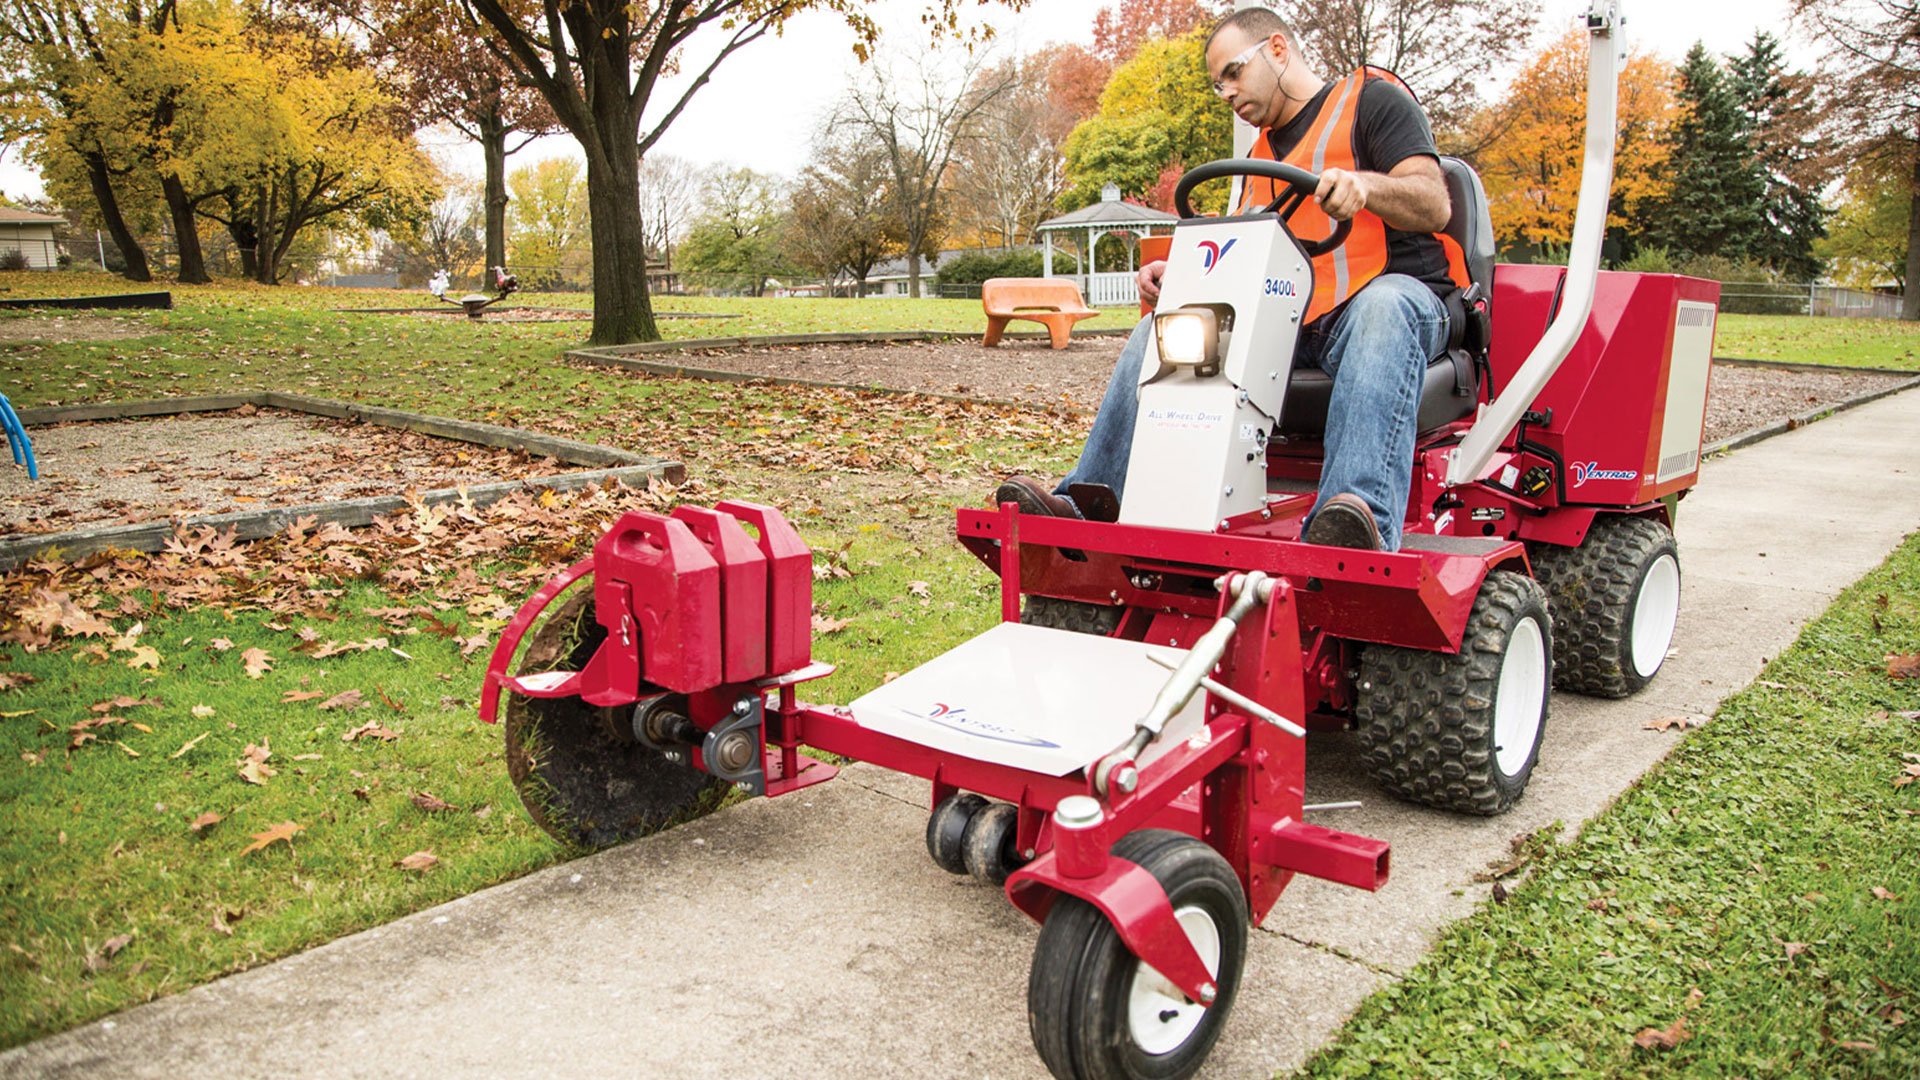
(1741, 397)
(514, 315)
(123, 472)
(69, 328)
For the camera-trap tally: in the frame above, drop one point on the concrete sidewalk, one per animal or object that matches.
(811, 934)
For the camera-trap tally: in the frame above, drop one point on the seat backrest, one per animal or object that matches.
(1470, 226)
(1006, 294)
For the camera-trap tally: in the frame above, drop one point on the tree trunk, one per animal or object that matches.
(247, 242)
(130, 251)
(266, 270)
(1910, 305)
(493, 145)
(193, 264)
(622, 310)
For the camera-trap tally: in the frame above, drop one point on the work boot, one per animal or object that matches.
(1033, 498)
(1345, 521)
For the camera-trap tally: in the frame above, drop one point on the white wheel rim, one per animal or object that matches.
(1521, 696)
(1654, 614)
(1159, 1016)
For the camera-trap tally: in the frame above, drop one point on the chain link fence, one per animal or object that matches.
(1792, 298)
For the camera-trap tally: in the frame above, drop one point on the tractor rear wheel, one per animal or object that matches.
(1615, 601)
(584, 777)
(1096, 1012)
(1461, 731)
(1075, 615)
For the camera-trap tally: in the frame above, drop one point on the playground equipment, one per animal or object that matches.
(1124, 752)
(17, 439)
(504, 285)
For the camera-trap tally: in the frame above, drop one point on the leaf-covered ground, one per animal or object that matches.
(1747, 909)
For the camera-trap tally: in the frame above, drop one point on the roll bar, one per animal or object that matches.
(1468, 462)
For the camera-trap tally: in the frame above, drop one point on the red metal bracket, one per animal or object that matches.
(516, 629)
(1136, 905)
(1359, 861)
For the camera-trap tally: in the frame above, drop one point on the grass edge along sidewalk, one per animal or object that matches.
(1745, 909)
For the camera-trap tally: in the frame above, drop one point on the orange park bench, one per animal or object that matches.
(1053, 302)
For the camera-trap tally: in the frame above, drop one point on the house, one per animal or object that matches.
(30, 234)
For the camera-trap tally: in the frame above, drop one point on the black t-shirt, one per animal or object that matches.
(1389, 128)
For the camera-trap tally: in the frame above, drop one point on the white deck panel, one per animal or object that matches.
(1051, 701)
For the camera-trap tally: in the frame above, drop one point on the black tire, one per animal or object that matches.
(989, 849)
(1076, 615)
(1615, 599)
(582, 775)
(1083, 976)
(947, 828)
(1428, 722)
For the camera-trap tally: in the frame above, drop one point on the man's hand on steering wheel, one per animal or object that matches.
(1341, 194)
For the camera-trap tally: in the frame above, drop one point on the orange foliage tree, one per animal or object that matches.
(1533, 142)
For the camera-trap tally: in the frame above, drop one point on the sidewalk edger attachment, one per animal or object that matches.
(1124, 753)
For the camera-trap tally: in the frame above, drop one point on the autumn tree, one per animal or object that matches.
(448, 75)
(669, 196)
(1119, 31)
(448, 236)
(1873, 61)
(1531, 161)
(1075, 78)
(736, 244)
(840, 216)
(598, 62)
(1158, 114)
(1442, 49)
(1866, 241)
(551, 223)
(920, 120)
(1008, 180)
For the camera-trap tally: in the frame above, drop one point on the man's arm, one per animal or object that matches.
(1411, 198)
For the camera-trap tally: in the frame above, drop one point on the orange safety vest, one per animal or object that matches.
(1328, 144)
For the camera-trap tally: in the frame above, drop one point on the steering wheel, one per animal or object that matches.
(1300, 185)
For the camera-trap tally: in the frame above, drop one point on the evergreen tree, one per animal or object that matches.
(1714, 205)
(1777, 110)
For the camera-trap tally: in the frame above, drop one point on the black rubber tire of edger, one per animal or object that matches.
(1592, 591)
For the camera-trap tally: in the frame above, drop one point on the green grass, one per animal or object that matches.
(1772, 825)
(1874, 343)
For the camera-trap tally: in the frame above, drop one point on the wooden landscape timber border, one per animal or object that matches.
(622, 356)
(613, 465)
(160, 301)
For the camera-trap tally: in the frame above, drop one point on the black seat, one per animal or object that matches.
(1452, 384)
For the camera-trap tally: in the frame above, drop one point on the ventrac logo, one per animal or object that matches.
(1211, 253)
(949, 717)
(1592, 471)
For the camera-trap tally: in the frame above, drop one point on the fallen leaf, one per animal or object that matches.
(390, 703)
(920, 588)
(1795, 948)
(1881, 893)
(13, 680)
(1663, 1039)
(824, 625)
(345, 699)
(205, 821)
(128, 750)
(257, 662)
(431, 803)
(1903, 665)
(144, 656)
(121, 702)
(282, 831)
(220, 925)
(97, 960)
(188, 745)
(142, 728)
(1668, 723)
(22, 712)
(292, 696)
(419, 861)
(221, 644)
(201, 712)
(253, 765)
(372, 729)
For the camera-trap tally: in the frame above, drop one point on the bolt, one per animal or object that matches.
(743, 787)
(1127, 779)
(1229, 489)
(742, 707)
(1207, 993)
(1245, 397)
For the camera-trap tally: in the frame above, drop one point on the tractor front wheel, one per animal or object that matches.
(1097, 1013)
(584, 777)
(1461, 731)
(1615, 600)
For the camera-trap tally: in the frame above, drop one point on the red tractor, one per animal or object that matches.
(1125, 753)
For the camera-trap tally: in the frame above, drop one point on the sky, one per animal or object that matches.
(763, 104)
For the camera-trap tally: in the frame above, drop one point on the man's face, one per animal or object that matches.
(1245, 75)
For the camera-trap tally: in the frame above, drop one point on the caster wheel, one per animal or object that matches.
(947, 828)
(989, 846)
(1462, 731)
(1097, 1013)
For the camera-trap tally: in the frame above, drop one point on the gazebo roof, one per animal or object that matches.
(1110, 210)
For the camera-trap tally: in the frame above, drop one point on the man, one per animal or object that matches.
(1377, 315)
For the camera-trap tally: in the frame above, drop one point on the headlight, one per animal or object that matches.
(1188, 336)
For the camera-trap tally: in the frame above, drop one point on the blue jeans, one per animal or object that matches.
(1376, 350)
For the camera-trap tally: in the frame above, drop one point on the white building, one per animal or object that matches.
(32, 234)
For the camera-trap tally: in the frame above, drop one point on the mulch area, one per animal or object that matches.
(1740, 399)
(122, 472)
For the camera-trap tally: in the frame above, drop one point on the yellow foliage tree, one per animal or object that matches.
(1534, 140)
